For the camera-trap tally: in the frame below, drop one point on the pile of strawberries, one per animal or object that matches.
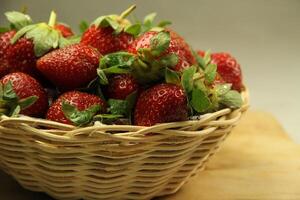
(115, 71)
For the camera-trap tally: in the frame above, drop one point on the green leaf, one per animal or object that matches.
(27, 102)
(102, 77)
(105, 21)
(117, 106)
(200, 101)
(149, 19)
(79, 117)
(232, 99)
(68, 41)
(21, 32)
(160, 43)
(9, 93)
(207, 57)
(83, 26)
(210, 72)
(164, 24)
(17, 19)
(199, 84)
(117, 70)
(199, 59)
(106, 118)
(222, 89)
(134, 29)
(4, 29)
(15, 111)
(187, 78)
(117, 59)
(172, 76)
(169, 60)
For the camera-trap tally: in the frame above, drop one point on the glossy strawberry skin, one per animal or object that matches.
(121, 85)
(70, 67)
(177, 46)
(105, 40)
(229, 69)
(65, 30)
(26, 86)
(159, 104)
(80, 100)
(21, 57)
(4, 46)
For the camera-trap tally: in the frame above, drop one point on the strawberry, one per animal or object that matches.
(65, 30)
(177, 46)
(110, 33)
(229, 69)
(77, 108)
(70, 67)
(161, 103)
(4, 45)
(17, 21)
(32, 42)
(21, 91)
(121, 85)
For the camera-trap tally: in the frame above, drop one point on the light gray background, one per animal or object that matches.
(263, 35)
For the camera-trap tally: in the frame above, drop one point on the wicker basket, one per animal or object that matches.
(92, 163)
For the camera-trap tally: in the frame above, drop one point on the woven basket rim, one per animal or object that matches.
(62, 132)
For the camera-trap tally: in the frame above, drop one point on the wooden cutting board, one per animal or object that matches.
(257, 161)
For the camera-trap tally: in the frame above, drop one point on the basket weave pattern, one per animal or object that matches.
(110, 161)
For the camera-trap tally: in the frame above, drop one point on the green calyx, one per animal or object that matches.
(79, 118)
(149, 25)
(44, 36)
(10, 103)
(17, 20)
(202, 97)
(147, 66)
(119, 22)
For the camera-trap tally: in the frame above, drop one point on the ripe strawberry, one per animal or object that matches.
(229, 69)
(177, 46)
(21, 57)
(24, 86)
(31, 42)
(70, 67)
(121, 85)
(108, 33)
(65, 30)
(4, 45)
(159, 104)
(75, 108)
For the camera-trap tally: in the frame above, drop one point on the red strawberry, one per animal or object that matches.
(159, 104)
(107, 33)
(65, 30)
(77, 103)
(4, 45)
(229, 69)
(25, 86)
(121, 85)
(70, 67)
(177, 46)
(105, 40)
(21, 57)
(32, 42)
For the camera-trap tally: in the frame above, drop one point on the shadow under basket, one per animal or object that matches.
(111, 161)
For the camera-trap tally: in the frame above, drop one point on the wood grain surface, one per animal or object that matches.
(257, 161)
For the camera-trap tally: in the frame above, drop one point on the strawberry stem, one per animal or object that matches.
(52, 19)
(127, 12)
